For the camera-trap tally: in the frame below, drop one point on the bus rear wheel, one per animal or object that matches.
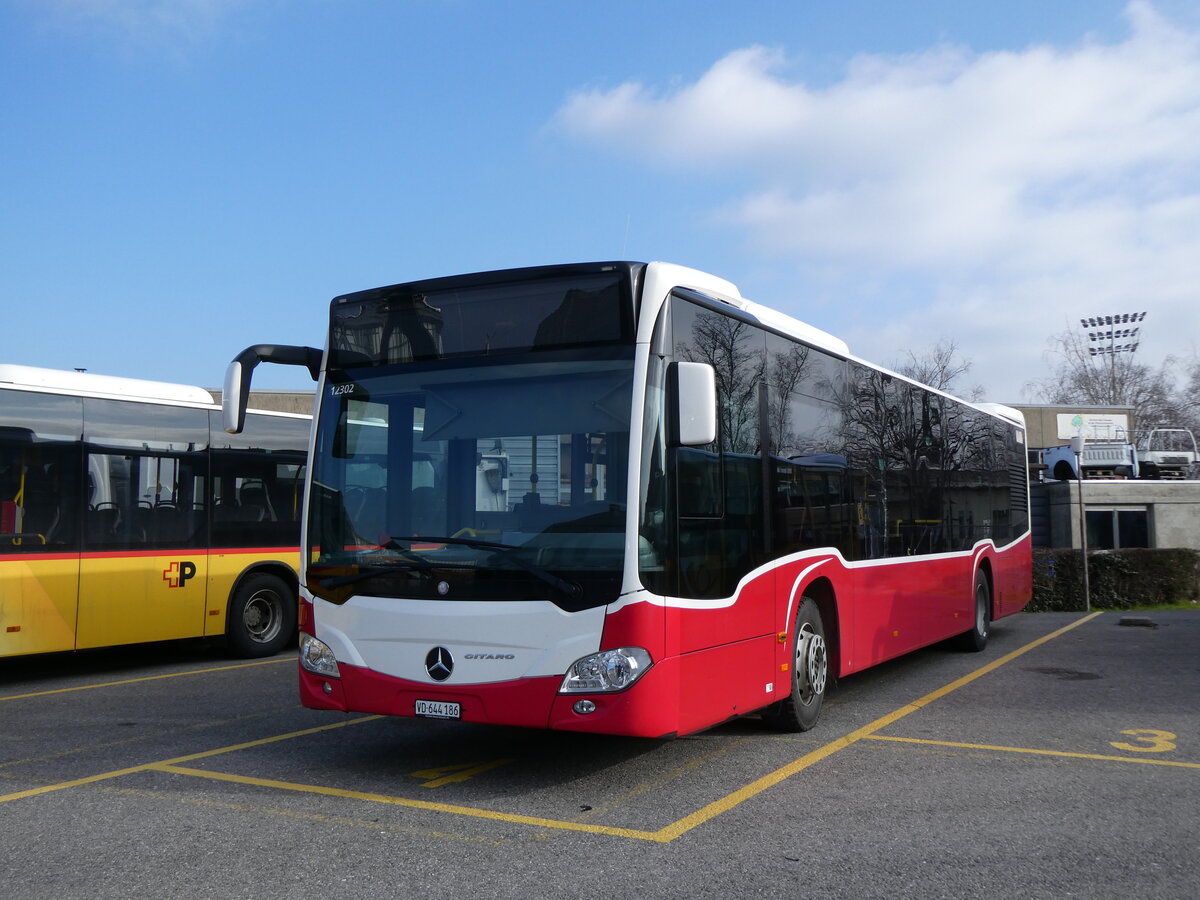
(976, 639)
(262, 616)
(810, 673)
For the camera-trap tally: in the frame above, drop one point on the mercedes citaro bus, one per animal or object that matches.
(618, 497)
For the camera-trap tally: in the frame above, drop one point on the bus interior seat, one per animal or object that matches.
(170, 523)
(42, 506)
(42, 519)
(104, 523)
(254, 504)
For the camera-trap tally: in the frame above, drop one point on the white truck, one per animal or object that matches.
(1161, 453)
(1099, 459)
(1168, 453)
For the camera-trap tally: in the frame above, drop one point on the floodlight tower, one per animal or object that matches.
(1112, 335)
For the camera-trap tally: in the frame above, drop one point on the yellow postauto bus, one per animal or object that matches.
(128, 515)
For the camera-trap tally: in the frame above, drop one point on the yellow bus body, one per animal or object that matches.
(74, 602)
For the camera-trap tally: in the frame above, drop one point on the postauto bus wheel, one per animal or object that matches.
(262, 616)
(810, 673)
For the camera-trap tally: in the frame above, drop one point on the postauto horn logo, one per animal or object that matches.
(178, 573)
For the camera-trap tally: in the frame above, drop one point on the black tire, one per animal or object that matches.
(976, 639)
(262, 616)
(810, 674)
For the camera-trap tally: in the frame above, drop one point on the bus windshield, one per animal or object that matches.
(439, 319)
(498, 482)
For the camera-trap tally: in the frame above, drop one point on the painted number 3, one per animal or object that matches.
(1152, 741)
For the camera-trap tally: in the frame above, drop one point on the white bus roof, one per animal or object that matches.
(85, 383)
(1004, 412)
(663, 275)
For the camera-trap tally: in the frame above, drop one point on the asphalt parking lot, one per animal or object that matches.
(1064, 761)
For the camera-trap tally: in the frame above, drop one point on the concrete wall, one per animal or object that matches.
(1173, 507)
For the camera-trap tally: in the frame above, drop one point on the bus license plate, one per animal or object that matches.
(438, 709)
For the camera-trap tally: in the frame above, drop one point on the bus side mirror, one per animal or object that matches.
(695, 414)
(235, 395)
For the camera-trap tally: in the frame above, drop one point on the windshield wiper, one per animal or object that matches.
(505, 550)
(415, 561)
(372, 571)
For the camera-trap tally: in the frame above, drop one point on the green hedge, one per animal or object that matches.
(1118, 579)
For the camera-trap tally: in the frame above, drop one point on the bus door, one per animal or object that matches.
(144, 570)
(39, 540)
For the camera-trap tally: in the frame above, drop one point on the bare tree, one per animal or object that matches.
(1112, 379)
(1189, 403)
(941, 367)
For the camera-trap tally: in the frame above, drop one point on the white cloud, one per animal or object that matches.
(166, 24)
(1026, 186)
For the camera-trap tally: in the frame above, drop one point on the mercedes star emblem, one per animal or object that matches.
(439, 663)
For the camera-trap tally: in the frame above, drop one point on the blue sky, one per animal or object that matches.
(182, 178)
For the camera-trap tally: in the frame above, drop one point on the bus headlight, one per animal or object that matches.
(609, 670)
(317, 658)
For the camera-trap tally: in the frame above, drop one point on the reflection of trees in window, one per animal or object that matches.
(866, 434)
(719, 488)
(929, 462)
(788, 369)
(862, 460)
(803, 417)
(735, 351)
(812, 503)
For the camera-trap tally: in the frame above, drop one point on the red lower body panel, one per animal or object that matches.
(523, 703)
(528, 703)
(678, 695)
(715, 662)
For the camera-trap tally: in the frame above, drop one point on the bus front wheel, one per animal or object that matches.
(810, 672)
(262, 616)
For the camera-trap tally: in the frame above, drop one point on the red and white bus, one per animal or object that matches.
(620, 498)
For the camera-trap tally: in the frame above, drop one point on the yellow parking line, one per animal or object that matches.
(1036, 752)
(169, 796)
(714, 809)
(411, 804)
(687, 823)
(62, 785)
(663, 835)
(659, 781)
(104, 776)
(134, 739)
(88, 687)
(997, 663)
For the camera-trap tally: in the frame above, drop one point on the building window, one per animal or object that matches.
(1114, 529)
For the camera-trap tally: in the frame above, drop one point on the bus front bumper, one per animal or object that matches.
(643, 710)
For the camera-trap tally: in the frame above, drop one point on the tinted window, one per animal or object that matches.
(258, 481)
(146, 475)
(721, 527)
(403, 324)
(40, 465)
